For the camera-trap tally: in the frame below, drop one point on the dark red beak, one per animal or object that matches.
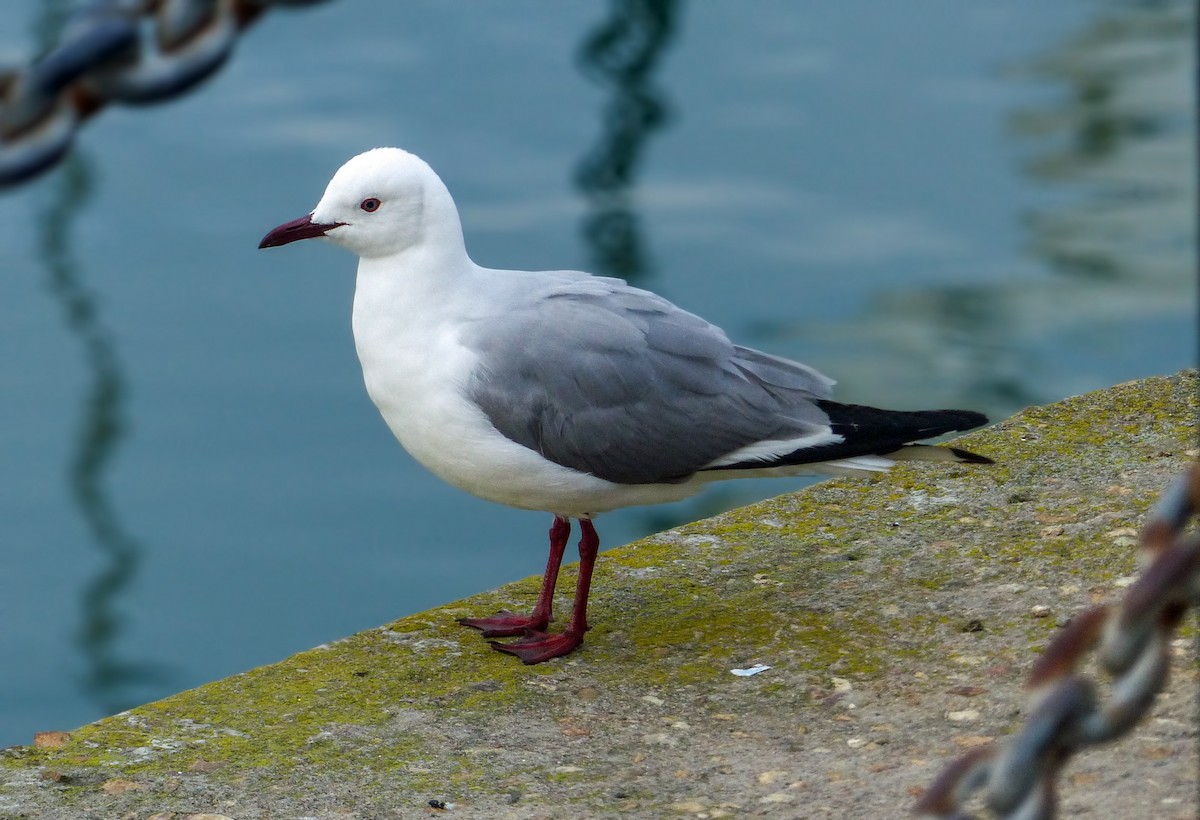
(302, 228)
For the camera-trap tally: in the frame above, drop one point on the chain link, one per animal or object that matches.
(133, 52)
(1066, 712)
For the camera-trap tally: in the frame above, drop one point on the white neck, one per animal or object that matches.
(423, 272)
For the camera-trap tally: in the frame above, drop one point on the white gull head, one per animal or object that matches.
(380, 204)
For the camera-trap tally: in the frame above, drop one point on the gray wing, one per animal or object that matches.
(615, 381)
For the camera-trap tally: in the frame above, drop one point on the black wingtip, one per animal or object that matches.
(967, 457)
(963, 419)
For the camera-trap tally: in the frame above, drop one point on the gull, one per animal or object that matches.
(569, 393)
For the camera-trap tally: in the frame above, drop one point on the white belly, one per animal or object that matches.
(453, 439)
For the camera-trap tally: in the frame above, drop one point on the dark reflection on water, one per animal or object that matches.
(622, 54)
(110, 682)
(1121, 116)
(1113, 146)
(970, 319)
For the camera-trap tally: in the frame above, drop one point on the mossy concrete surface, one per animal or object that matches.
(898, 617)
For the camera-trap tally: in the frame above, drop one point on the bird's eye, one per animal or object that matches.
(370, 204)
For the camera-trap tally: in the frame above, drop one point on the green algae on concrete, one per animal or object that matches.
(882, 606)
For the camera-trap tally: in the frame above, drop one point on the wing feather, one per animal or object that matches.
(615, 381)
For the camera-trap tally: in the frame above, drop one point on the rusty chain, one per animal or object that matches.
(1066, 712)
(113, 51)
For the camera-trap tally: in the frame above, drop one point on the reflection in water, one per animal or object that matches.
(622, 54)
(1120, 133)
(1113, 249)
(1124, 133)
(965, 331)
(108, 679)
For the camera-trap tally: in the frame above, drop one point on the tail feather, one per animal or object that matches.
(857, 421)
(871, 439)
(933, 452)
(891, 433)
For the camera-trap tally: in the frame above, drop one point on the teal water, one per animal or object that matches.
(938, 203)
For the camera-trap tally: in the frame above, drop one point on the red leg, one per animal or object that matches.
(537, 646)
(506, 623)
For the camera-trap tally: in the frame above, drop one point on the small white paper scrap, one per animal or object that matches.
(753, 670)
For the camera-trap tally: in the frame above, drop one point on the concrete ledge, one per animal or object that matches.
(898, 616)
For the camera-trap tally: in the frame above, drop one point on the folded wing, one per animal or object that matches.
(615, 381)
